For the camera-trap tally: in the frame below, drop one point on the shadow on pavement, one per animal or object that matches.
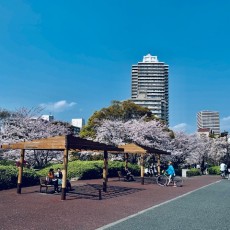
(147, 180)
(92, 192)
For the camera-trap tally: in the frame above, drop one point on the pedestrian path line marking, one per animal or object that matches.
(153, 207)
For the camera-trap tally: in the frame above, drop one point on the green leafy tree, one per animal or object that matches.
(124, 111)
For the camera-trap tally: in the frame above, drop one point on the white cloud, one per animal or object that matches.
(58, 106)
(180, 127)
(226, 118)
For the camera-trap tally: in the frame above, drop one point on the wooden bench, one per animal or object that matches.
(44, 184)
(121, 175)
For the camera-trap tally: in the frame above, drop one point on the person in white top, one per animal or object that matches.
(222, 169)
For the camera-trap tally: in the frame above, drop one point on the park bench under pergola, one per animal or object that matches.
(141, 150)
(62, 143)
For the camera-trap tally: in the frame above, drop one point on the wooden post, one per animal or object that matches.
(64, 176)
(20, 171)
(142, 168)
(105, 171)
(158, 164)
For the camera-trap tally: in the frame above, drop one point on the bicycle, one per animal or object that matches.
(163, 180)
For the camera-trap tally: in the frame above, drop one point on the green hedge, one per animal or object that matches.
(91, 169)
(9, 175)
(7, 162)
(214, 170)
(81, 169)
(193, 172)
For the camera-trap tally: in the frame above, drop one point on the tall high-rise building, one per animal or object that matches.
(150, 86)
(209, 119)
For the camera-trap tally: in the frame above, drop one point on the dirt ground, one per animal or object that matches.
(82, 208)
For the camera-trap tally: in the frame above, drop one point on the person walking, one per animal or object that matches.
(222, 169)
(202, 167)
(228, 170)
(206, 168)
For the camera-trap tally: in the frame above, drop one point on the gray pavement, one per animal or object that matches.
(82, 210)
(204, 208)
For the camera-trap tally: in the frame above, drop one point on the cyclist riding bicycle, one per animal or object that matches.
(171, 172)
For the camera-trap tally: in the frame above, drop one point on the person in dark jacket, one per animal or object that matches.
(129, 176)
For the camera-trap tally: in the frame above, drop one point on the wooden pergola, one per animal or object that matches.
(142, 150)
(62, 143)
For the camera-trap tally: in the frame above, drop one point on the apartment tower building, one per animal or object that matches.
(210, 120)
(150, 86)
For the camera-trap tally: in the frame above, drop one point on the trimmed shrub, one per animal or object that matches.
(9, 175)
(30, 177)
(92, 169)
(214, 170)
(81, 169)
(193, 172)
(7, 162)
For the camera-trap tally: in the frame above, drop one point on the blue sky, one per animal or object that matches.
(75, 57)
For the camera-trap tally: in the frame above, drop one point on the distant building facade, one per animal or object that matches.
(210, 120)
(78, 122)
(205, 132)
(47, 117)
(150, 86)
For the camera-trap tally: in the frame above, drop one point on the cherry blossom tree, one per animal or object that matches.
(180, 147)
(200, 149)
(219, 150)
(148, 133)
(25, 125)
(183, 147)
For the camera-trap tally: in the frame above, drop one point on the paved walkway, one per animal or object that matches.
(83, 210)
(204, 208)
